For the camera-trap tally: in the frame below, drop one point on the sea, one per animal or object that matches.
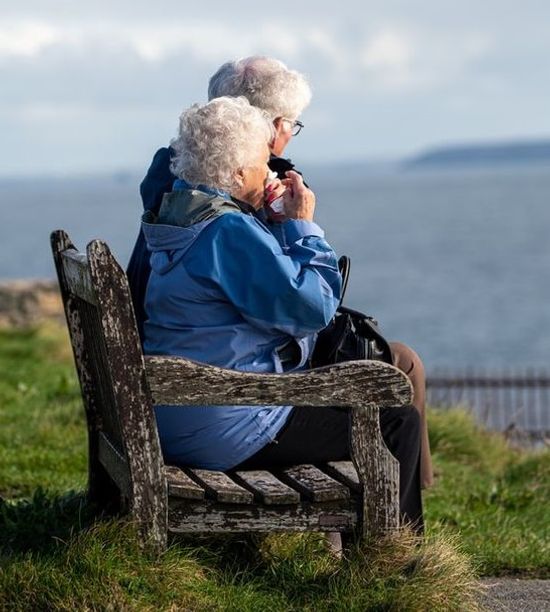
(454, 262)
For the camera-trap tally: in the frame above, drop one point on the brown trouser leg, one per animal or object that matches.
(410, 363)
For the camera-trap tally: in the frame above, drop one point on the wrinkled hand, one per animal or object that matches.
(299, 200)
(274, 189)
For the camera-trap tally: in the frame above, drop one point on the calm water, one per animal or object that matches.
(457, 264)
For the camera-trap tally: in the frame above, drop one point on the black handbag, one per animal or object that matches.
(350, 335)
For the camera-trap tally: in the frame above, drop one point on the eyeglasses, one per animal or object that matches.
(296, 126)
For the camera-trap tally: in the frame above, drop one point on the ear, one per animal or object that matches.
(278, 125)
(239, 177)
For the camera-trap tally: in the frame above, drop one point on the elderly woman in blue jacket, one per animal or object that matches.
(227, 291)
(223, 289)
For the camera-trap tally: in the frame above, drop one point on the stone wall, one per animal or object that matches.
(25, 303)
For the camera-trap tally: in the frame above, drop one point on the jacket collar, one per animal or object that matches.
(186, 207)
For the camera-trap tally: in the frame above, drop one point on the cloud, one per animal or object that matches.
(26, 39)
(396, 59)
(388, 50)
(108, 64)
(401, 73)
(388, 58)
(393, 58)
(157, 42)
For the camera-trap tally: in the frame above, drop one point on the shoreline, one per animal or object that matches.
(29, 302)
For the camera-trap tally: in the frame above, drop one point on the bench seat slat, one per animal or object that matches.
(221, 487)
(180, 485)
(344, 472)
(314, 484)
(267, 488)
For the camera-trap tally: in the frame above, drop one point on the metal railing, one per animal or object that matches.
(502, 401)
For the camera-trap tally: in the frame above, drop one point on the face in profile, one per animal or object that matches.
(283, 134)
(253, 180)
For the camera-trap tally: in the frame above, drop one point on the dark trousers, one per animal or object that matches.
(321, 434)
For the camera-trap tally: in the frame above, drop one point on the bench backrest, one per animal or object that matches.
(124, 447)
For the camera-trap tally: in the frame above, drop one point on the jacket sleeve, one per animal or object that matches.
(295, 290)
(157, 181)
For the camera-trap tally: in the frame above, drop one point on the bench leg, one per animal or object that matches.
(378, 472)
(149, 508)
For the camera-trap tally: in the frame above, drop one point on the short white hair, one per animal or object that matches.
(266, 83)
(217, 139)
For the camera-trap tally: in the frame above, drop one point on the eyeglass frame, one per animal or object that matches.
(294, 124)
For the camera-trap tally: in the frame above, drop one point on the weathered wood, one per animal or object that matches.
(115, 463)
(102, 491)
(174, 381)
(125, 451)
(378, 473)
(344, 472)
(267, 489)
(180, 485)
(314, 484)
(199, 517)
(77, 275)
(148, 501)
(221, 487)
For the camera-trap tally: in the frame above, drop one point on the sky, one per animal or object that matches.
(98, 86)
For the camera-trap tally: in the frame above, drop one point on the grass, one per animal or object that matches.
(486, 511)
(495, 497)
(100, 566)
(42, 426)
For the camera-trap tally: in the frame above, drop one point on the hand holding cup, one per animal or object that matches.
(299, 201)
(274, 204)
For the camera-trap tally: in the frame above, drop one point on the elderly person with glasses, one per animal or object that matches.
(223, 290)
(282, 94)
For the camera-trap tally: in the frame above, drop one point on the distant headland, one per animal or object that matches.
(526, 151)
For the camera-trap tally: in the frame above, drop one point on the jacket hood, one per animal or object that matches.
(182, 216)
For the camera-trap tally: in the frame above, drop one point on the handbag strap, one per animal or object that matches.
(344, 265)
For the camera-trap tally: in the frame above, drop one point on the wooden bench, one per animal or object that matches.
(126, 468)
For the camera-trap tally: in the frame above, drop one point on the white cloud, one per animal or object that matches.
(390, 61)
(388, 50)
(396, 59)
(323, 41)
(26, 39)
(155, 42)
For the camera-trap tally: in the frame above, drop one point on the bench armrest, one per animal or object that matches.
(174, 380)
(364, 386)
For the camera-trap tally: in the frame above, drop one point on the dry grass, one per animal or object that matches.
(433, 574)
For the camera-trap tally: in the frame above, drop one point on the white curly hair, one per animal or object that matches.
(266, 83)
(217, 139)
